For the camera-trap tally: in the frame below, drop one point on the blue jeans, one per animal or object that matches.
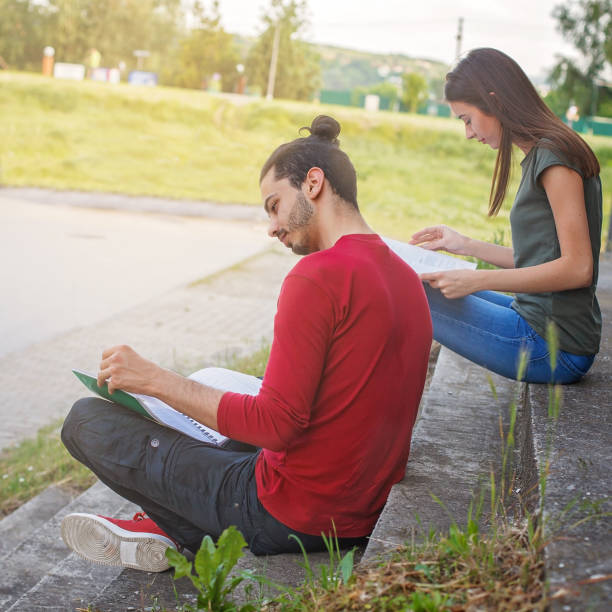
(484, 329)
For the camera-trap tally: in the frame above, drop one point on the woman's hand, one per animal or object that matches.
(441, 237)
(453, 283)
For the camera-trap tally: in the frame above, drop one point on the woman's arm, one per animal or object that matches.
(572, 270)
(443, 238)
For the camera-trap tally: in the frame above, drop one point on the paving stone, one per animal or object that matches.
(44, 550)
(15, 527)
(69, 585)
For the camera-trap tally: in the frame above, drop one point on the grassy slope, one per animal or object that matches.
(413, 170)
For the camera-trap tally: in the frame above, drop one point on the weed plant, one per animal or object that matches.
(211, 578)
(463, 570)
(215, 585)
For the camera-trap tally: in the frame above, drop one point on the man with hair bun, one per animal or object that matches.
(319, 447)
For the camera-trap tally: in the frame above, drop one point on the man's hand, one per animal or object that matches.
(453, 283)
(123, 368)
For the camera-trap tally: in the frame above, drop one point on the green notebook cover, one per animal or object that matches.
(118, 396)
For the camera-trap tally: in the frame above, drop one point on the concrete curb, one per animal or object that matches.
(577, 503)
(454, 446)
(149, 204)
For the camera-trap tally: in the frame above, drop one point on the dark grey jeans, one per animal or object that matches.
(189, 488)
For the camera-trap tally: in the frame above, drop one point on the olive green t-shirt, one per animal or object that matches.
(575, 312)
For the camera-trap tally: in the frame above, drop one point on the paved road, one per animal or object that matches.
(105, 271)
(63, 267)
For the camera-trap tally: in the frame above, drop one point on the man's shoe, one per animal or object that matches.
(138, 543)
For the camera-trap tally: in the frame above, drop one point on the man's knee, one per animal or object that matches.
(81, 412)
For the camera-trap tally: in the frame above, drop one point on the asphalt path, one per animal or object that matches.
(64, 267)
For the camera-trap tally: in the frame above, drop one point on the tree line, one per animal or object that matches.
(188, 47)
(587, 24)
(186, 42)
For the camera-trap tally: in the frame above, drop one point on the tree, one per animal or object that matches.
(588, 25)
(298, 70)
(21, 33)
(114, 27)
(206, 50)
(415, 90)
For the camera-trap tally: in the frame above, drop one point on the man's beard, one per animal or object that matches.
(300, 218)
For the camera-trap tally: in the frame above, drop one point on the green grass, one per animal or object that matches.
(254, 363)
(412, 170)
(34, 464)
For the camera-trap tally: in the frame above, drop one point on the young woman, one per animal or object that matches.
(556, 230)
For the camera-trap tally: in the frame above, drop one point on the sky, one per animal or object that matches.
(524, 29)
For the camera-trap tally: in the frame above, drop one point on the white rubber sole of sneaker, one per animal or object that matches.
(96, 539)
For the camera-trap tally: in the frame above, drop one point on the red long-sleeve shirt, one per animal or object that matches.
(339, 398)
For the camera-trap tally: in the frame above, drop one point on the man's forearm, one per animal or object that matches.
(188, 396)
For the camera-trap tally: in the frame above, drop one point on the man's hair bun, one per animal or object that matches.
(321, 149)
(325, 128)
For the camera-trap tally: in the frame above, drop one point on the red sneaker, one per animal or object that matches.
(138, 543)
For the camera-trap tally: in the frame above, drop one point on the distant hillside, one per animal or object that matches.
(347, 69)
(344, 69)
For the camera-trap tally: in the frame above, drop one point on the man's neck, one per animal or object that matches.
(340, 222)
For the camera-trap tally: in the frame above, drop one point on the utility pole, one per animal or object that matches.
(273, 62)
(459, 38)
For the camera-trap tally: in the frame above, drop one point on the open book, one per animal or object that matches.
(421, 260)
(155, 409)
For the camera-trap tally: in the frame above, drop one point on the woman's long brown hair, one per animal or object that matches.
(525, 119)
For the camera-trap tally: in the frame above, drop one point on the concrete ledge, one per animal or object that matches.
(577, 496)
(41, 557)
(455, 445)
(17, 526)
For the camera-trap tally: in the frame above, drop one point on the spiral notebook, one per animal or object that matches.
(159, 411)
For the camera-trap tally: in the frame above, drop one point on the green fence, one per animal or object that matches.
(348, 98)
(599, 126)
(330, 96)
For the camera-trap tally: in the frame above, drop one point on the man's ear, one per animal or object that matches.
(313, 184)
